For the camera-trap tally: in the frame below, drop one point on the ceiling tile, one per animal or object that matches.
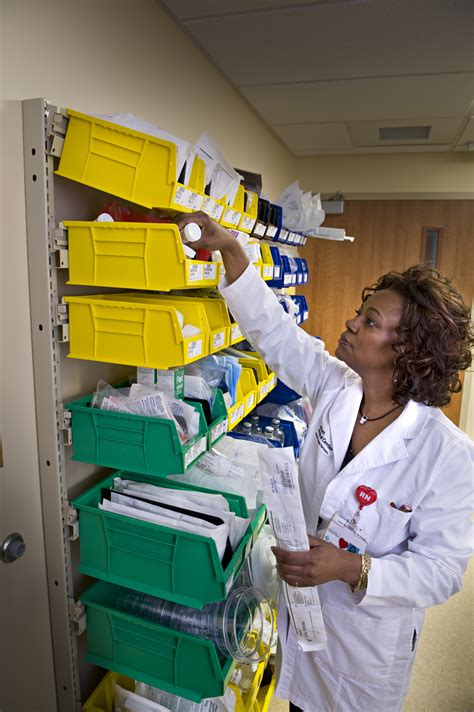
(364, 99)
(301, 137)
(366, 133)
(340, 40)
(188, 9)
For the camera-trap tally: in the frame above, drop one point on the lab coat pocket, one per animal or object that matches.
(391, 531)
(360, 646)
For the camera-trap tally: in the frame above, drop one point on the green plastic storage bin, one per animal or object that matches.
(162, 561)
(220, 423)
(177, 662)
(134, 442)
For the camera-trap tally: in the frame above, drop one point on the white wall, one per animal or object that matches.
(114, 56)
(431, 176)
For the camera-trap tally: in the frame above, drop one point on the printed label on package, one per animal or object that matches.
(180, 195)
(195, 272)
(218, 340)
(187, 198)
(247, 223)
(212, 208)
(210, 271)
(305, 314)
(287, 279)
(277, 271)
(283, 235)
(237, 414)
(195, 348)
(268, 271)
(235, 332)
(232, 216)
(218, 430)
(259, 229)
(195, 450)
(272, 381)
(250, 402)
(271, 231)
(262, 391)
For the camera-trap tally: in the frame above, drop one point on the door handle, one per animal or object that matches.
(13, 548)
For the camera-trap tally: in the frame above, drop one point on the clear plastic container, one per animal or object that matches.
(238, 626)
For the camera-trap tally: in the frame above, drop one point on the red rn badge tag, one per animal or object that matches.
(365, 495)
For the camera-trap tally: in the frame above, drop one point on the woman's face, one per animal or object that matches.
(366, 345)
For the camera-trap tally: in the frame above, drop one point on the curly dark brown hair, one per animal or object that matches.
(436, 335)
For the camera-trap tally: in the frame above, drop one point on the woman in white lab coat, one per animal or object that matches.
(380, 456)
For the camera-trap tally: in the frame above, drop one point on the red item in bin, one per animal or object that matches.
(122, 213)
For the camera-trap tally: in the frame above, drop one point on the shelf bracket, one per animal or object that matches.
(56, 128)
(59, 242)
(65, 426)
(77, 611)
(61, 320)
(71, 519)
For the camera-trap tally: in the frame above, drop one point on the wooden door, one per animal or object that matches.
(388, 236)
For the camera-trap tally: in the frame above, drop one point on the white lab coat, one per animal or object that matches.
(421, 460)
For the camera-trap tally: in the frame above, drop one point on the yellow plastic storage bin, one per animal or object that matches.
(102, 698)
(249, 215)
(134, 256)
(217, 316)
(127, 163)
(232, 214)
(236, 412)
(135, 330)
(266, 378)
(249, 389)
(267, 261)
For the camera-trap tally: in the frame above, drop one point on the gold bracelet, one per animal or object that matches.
(363, 581)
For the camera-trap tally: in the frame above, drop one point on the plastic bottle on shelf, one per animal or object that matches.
(191, 232)
(278, 433)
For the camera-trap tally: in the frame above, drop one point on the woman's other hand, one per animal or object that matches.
(215, 237)
(323, 562)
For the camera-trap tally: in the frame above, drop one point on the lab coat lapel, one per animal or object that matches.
(342, 418)
(389, 445)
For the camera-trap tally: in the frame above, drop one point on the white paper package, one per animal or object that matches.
(285, 512)
(237, 526)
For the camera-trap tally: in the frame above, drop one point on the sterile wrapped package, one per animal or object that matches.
(237, 526)
(224, 181)
(218, 472)
(127, 701)
(285, 512)
(150, 513)
(226, 703)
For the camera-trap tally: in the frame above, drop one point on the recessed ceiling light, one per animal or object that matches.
(403, 133)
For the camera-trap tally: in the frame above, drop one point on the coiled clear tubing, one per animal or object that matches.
(242, 626)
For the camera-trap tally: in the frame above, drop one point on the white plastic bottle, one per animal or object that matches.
(191, 233)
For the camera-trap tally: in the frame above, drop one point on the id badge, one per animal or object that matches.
(344, 535)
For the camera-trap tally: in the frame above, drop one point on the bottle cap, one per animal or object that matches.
(192, 232)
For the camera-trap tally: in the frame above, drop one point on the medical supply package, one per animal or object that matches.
(285, 512)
